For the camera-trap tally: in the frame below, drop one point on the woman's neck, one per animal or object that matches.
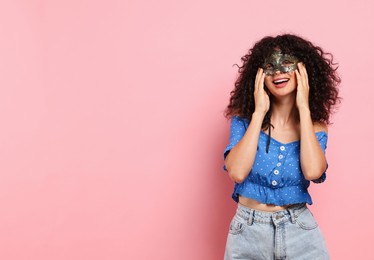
(284, 112)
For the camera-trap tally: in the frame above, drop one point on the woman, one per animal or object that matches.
(279, 109)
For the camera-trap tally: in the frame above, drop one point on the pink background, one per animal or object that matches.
(112, 127)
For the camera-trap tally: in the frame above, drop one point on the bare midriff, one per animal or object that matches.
(254, 204)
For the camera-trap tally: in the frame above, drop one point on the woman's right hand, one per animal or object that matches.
(262, 101)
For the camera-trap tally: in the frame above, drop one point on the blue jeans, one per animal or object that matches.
(292, 233)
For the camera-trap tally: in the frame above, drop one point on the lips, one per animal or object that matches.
(280, 82)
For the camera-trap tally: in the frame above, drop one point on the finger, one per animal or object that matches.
(298, 77)
(259, 77)
(256, 79)
(302, 73)
(306, 75)
(262, 80)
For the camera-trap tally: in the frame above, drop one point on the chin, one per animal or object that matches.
(279, 93)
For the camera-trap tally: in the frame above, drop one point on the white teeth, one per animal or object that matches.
(280, 81)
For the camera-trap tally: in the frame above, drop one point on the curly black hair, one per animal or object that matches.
(322, 76)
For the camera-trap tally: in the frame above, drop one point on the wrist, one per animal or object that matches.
(305, 115)
(259, 114)
(304, 110)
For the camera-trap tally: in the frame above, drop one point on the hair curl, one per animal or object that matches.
(322, 76)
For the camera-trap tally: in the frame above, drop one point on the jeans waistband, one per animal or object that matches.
(253, 215)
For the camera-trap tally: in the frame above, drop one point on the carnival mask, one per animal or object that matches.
(279, 61)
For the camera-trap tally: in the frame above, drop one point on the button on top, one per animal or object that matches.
(279, 164)
(276, 172)
(282, 148)
(274, 183)
(280, 156)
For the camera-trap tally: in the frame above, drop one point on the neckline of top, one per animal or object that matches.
(297, 141)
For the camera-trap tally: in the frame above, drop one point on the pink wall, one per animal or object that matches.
(112, 128)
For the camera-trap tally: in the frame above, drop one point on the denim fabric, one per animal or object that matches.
(292, 233)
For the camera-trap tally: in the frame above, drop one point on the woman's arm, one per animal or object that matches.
(240, 159)
(312, 158)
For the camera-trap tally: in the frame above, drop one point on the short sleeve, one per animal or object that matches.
(238, 127)
(322, 139)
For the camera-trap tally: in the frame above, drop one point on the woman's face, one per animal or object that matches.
(280, 76)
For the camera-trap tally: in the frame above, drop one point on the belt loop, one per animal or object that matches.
(292, 214)
(250, 219)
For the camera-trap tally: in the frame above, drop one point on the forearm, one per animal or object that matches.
(240, 159)
(312, 158)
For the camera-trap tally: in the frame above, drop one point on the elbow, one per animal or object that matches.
(311, 177)
(236, 173)
(236, 176)
(314, 175)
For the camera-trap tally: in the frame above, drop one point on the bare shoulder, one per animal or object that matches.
(320, 126)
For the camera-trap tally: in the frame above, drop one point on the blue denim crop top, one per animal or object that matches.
(276, 177)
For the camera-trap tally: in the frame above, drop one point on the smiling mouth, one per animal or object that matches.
(280, 81)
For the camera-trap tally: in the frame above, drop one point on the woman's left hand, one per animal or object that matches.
(302, 87)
